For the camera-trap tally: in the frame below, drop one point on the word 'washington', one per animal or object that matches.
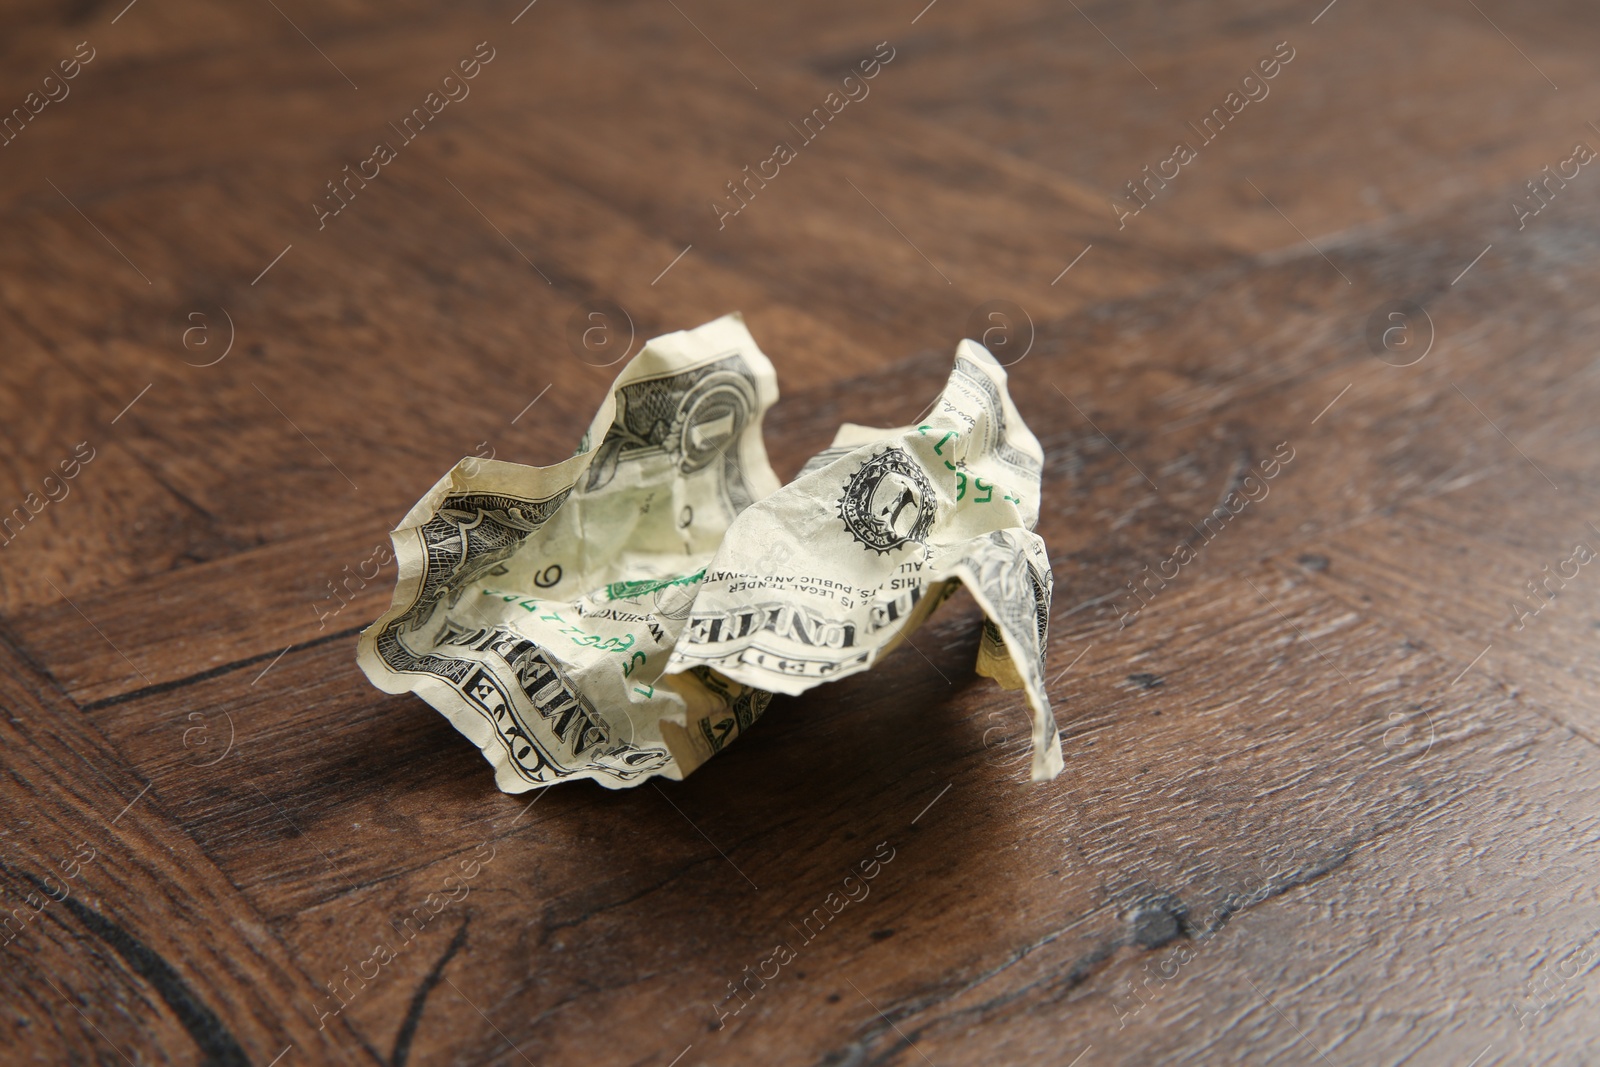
(455, 89)
(813, 124)
(1144, 190)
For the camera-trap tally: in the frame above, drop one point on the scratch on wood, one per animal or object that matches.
(219, 1047)
(408, 1028)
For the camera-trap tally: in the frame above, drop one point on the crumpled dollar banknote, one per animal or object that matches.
(630, 611)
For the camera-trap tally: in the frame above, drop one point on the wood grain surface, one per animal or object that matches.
(1331, 792)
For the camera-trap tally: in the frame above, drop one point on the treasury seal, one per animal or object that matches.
(887, 502)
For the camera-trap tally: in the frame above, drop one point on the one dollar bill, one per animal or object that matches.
(630, 611)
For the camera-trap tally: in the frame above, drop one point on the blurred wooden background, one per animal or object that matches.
(1324, 802)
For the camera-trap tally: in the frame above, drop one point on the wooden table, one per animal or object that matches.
(1331, 788)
